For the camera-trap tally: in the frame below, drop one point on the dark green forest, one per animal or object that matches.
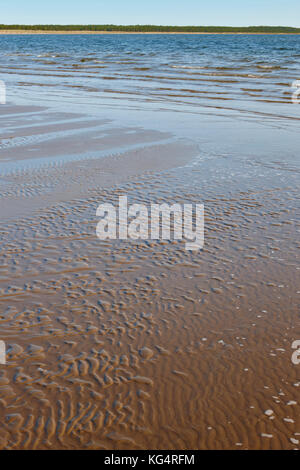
(153, 28)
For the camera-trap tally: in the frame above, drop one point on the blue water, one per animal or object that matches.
(241, 72)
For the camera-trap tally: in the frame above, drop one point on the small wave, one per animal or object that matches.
(52, 56)
(269, 67)
(193, 67)
(251, 75)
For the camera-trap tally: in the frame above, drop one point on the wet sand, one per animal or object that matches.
(143, 345)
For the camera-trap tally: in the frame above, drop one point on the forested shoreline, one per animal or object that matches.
(153, 29)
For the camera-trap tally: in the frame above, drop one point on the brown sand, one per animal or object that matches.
(139, 345)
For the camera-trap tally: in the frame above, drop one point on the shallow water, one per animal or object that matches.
(186, 70)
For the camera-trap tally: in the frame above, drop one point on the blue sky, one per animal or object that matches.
(179, 12)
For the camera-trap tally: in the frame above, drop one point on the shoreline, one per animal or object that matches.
(38, 32)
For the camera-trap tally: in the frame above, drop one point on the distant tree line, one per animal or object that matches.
(153, 28)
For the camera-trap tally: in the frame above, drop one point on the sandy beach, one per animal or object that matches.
(20, 31)
(141, 344)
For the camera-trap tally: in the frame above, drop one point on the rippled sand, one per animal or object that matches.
(143, 345)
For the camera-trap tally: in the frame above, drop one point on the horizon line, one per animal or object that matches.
(149, 24)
